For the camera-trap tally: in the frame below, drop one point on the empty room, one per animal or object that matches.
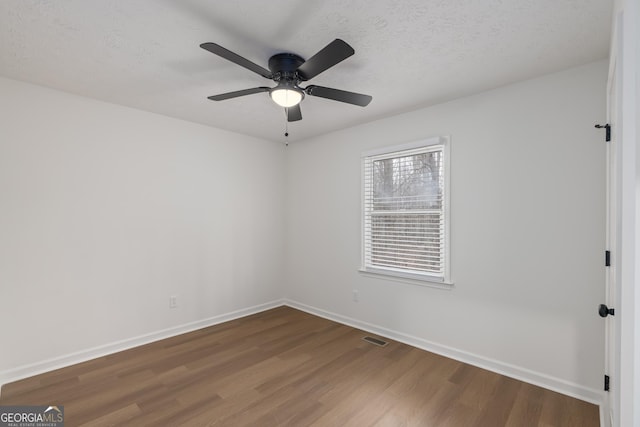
(290, 213)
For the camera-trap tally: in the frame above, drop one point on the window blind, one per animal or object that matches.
(404, 215)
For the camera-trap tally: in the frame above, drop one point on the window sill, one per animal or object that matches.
(383, 275)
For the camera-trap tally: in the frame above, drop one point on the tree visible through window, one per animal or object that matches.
(404, 212)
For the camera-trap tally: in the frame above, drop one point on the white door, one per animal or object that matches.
(612, 294)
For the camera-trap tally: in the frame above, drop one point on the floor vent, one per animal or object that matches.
(375, 341)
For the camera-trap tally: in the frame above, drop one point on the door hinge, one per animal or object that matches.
(607, 258)
(607, 128)
(606, 383)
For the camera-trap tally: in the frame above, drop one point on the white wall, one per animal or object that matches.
(528, 222)
(106, 211)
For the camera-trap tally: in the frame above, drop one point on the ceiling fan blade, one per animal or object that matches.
(294, 114)
(339, 95)
(236, 59)
(238, 93)
(333, 53)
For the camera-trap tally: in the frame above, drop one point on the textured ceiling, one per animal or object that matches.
(409, 53)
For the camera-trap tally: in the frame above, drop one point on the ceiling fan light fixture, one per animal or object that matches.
(285, 96)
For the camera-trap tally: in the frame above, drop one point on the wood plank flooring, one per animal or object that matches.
(284, 367)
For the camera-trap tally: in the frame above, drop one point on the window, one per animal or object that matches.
(405, 207)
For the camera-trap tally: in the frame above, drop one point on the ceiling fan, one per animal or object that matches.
(288, 70)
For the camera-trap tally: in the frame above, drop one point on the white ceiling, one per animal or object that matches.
(409, 53)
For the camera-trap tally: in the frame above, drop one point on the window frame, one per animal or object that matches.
(424, 279)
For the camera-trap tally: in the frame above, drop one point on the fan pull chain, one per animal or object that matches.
(286, 125)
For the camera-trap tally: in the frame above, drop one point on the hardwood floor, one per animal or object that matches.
(284, 367)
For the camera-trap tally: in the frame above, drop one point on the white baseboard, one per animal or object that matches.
(30, 370)
(519, 373)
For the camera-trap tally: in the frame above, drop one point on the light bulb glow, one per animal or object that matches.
(286, 97)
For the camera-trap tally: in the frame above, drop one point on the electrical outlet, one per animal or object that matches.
(173, 301)
(355, 295)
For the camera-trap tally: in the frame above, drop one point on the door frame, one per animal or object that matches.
(625, 51)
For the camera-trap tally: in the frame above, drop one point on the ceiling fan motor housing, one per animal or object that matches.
(284, 68)
(285, 63)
